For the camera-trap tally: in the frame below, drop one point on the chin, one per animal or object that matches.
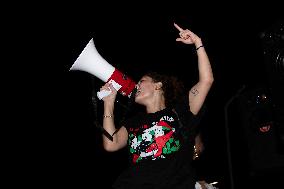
(139, 100)
(136, 100)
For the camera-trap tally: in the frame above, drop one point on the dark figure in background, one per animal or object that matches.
(161, 140)
(201, 180)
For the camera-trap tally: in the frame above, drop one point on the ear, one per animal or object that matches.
(158, 85)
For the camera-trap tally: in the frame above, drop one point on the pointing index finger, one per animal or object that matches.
(177, 27)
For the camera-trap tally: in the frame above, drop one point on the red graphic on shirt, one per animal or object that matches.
(160, 141)
(135, 157)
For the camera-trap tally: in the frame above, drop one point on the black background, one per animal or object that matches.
(67, 145)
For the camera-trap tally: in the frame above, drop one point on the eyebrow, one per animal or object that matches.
(140, 80)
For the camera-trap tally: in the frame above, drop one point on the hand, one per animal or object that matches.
(202, 184)
(198, 146)
(187, 36)
(111, 97)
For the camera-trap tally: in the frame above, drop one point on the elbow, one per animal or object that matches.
(208, 81)
(211, 80)
(108, 147)
(111, 147)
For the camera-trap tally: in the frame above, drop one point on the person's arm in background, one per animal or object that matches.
(198, 146)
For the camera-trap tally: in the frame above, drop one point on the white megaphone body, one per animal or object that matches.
(92, 62)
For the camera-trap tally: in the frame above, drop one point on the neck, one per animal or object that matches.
(156, 106)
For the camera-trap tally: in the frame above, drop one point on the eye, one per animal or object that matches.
(141, 81)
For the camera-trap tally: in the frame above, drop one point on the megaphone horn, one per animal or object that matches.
(93, 63)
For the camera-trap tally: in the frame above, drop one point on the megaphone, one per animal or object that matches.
(93, 63)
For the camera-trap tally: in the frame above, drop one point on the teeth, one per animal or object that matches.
(138, 92)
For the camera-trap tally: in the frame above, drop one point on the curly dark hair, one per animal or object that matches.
(173, 88)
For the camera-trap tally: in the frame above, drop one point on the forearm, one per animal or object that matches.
(108, 124)
(199, 91)
(204, 66)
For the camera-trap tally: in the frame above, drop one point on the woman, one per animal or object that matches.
(161, 140)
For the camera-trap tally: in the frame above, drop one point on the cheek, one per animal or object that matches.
(147, 91)
(142, 96)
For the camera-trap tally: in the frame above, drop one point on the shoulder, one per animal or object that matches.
(182, 108)
(182, 105)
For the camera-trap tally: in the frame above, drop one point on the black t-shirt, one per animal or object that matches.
(160, 149)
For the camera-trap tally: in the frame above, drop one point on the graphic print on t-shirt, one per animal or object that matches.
(155, 141)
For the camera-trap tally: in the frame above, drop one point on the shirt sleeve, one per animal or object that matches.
(189, 121)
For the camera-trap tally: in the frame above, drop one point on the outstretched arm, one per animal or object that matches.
(199, 91)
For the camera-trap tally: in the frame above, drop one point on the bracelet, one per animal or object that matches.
(107, 116)
(199, 47)
(114, 132)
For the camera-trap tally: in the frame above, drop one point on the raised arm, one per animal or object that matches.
(199, 91)
(121, 136)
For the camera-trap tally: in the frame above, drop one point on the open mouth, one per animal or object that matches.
(138, 92)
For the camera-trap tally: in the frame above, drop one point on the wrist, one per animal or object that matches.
(108, 116)
(198, 42)
(108, 112)
(198, 47)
